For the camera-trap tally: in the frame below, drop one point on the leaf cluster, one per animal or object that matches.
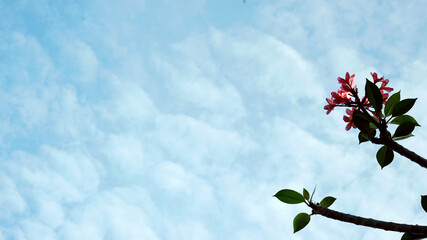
(290, 196)
(393, 112)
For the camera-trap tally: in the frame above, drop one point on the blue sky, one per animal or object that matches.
(180, 119)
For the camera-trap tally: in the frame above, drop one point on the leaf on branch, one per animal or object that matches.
(403, 137)
(300, 221)
(363, 137)
(374, 96)
(404, 118)
(391, 102)
(327, 201)
(361, 120)
(312, 194)
(289, 196)
(306, 194)
(385, 156)
(424, 202)
(404, 129)
(408, 236)
(403, 106)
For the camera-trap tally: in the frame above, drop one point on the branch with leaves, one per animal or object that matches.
(371, 115)
(302, 219)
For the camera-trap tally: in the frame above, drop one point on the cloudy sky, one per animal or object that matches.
(161, 119)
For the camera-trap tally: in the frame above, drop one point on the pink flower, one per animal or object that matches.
(384, 88)
(385, 96)
(347, 84)
(347, 78)
(330, 106)
(343, 95)
(340, 97)
(349, 118)
(375, 77)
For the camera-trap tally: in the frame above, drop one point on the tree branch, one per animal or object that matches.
(419, 231)
(401, 150)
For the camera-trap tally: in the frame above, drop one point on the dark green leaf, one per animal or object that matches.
(385, 156)
(306, 194)
(372, 132)
(404, 118)
(300, 221)
(404, 129)
(361, 122)
(374, 96)
(402, 137)
(424, 202)
(363, 137)
(363, 115)
(408, 236)
(391, 102)
(403, 106)
(289, 196)
(327, 201)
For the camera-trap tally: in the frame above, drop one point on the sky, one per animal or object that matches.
(143, 119)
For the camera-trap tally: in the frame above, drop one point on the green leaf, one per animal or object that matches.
(402, 137)
(312, 194)
(363, 137)
(372, 126)
(361, 122)
(300, 221)
(385, 156)
(372, 132)
(404, 118)
(403, 106)
(391, 102)
(424, 202)
(408, 236)
(404, 129)
(374, 95)
(327, 201)
(289, 196)
(306, 194)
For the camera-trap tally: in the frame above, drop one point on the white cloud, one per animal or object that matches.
(50, 213)
(131, 102)
(386, 41)
(12, 201)
(79, 59)
(124, 154)
(36, 230)
(25, 59)
(258, 58)
(110, 215)
(197, 144)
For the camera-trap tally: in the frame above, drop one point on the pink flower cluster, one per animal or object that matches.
(345, 97)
